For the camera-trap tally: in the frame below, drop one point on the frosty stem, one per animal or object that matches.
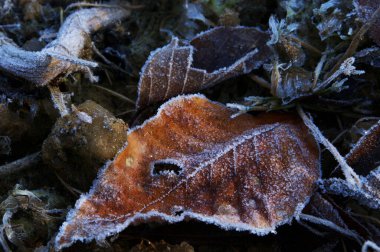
(61, 56)
(329, 224)
(351, 177)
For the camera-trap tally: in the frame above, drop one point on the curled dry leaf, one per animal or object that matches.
(192, 160)
(208, 59)
(62, 55)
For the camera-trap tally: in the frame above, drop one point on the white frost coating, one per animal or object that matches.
(168, 103)
(84, 117)
(146, 64)
(165, 161)
(113, 229)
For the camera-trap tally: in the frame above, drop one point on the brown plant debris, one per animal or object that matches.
(192, 160)
(208, 59)
(81, 142)
(61, 56)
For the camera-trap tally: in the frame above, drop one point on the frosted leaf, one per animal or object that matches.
(365, 155)
(209, 58)
(364, 158)
(368, 194)
(62, 55)
(192, 160)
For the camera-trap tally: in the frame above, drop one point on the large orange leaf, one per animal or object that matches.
(193, 160)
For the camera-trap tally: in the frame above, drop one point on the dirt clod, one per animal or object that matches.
(81, 142)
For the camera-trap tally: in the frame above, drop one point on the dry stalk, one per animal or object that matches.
(352, 178)
(63, 55)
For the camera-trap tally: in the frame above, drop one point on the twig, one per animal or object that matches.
(351, 177)
(61, 55)
(305, 45)
(329, 224)
(71, 189)
(261, 81)
(20, 164)
(347, 68)
(58, 100)
(124, 98)
(97, 52)
(85, 4)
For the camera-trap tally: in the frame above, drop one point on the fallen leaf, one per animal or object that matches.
(209, 58)
(365, 155)
(322, 208)
(368, 194)
(192, 160)
(364, 159)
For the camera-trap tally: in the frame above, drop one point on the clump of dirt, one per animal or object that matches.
(81, 142)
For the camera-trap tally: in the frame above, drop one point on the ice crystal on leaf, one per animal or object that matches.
(192, 160)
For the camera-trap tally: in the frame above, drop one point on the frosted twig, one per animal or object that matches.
(370, 244)
(58, 100)
(351, 177)
(20, 164)
(329, 224)
(345, 68)
(3, 241)
(85, 4)
(61, 56)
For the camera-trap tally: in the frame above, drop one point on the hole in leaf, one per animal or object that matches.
(166, 168)
(178, 213)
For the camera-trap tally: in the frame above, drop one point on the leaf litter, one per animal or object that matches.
(321, 56)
